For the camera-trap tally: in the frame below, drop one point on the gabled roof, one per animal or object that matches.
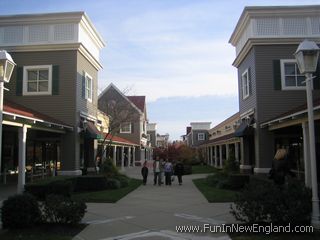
(139, 101)
(16, 110)
(120, 140)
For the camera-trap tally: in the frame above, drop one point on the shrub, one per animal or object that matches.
(90, 183)
(41, 190)
(20, 211)
(60, 209)
(237, 181)
(230, 165)
(263, 201)
(124, 180)
(113, 183)
(187, 169)
(108, 168)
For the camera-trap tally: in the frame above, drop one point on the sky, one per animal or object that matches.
(175, 52)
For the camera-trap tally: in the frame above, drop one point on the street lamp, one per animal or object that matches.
(6, 69)
(307, 58)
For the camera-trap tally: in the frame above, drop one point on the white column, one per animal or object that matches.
(129, 156)
(207, 154)
(220, 157)
(227, 151)
(122, 157)
(22, 132)
(133, 156)
(306, 154)
(236, 151)
(115, 155)
(216, 156)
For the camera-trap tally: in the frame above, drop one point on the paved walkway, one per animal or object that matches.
(153, 212)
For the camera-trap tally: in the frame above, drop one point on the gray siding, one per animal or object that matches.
(196, 142)
(251, 101)
(153, 138)
(84, 66)
(271, 102)
(61, 106)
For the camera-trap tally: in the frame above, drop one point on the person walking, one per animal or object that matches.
(144, 172)
(168, 171)
(157, 171)
(178, 171)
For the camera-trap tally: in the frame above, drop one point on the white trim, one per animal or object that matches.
(70, 173)
(202, 138)
(261, 170)
(247, 113)
(245, 167)
(245, 88)
(87, 116)
(88, 98)
(283, 80)
(25, 80)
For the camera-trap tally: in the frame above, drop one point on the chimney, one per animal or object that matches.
(188, 130)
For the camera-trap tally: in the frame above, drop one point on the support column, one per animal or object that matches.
(236, 151)
(211, 155)
(22, 132)
(220, 157)
(207, 154)
(134, 156)
(115, 155)
(122, 157)
(129, 156)
(216, 156)
(227, 151)
(306, 154)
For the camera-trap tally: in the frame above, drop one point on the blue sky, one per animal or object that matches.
(176, 52)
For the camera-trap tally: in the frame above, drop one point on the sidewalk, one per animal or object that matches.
(153, 212)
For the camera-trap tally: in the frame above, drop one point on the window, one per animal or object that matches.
(37, 80)
(125, 128)
(201, 136)
(291, 78)
(245, 82)
(88, 87)
(149, 137)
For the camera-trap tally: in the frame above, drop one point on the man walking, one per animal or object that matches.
(157, 171)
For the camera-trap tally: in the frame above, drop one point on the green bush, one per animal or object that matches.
(113, 183)
(187, 169)
(223, 180)
(20, 211)
(90, 183)
(263, 201)
(42, 189)
(61, 209)
(124, 180)
(108, 168)
(231, 165)
(237, 181)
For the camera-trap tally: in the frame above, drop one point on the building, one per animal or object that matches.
(270, 86)
(197, 133)
(52, 102)
(162, 140)
(128, 119)
(152, 134)
(222, 142)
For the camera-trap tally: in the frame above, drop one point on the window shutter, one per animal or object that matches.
(19, 81)
(132, 127)
(316, 80)
(249, 81)
(83, 85)
(55, 80)
(276, 75)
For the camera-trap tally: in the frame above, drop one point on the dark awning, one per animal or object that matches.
(92, 131)
(243, 130)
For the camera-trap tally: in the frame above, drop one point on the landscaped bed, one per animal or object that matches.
(198, 169)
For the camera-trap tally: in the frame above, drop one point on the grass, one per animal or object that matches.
(43, 232)
(214, 194)
(198, 169)
(109, 196)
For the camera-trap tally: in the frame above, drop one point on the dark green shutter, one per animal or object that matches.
(83, 85)
(55, 80)
(19, 81)
(132, 127)
(249, 81)
(276, 75)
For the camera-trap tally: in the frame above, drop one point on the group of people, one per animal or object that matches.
(164, 169)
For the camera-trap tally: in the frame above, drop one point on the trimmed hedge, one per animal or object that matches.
(228, 181)
(89, 183)
(20, 211)
(187, 169)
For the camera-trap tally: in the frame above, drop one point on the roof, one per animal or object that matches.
(219, 139)
(233, 117)
(120, 140)
(139, 101)
(17, 110)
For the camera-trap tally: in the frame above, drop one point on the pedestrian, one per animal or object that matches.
(178, 171)
(157, 171)
(98, 164)
(162, 163)
(280, 165)
(168, 171)
(144, 172)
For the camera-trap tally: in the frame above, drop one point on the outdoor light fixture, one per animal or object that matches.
(6, 69)
(307, 58)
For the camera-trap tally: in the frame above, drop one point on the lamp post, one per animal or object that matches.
(307, 58)
(6, 69)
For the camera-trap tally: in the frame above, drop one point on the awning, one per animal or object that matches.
(243, 130)
(92, 131)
